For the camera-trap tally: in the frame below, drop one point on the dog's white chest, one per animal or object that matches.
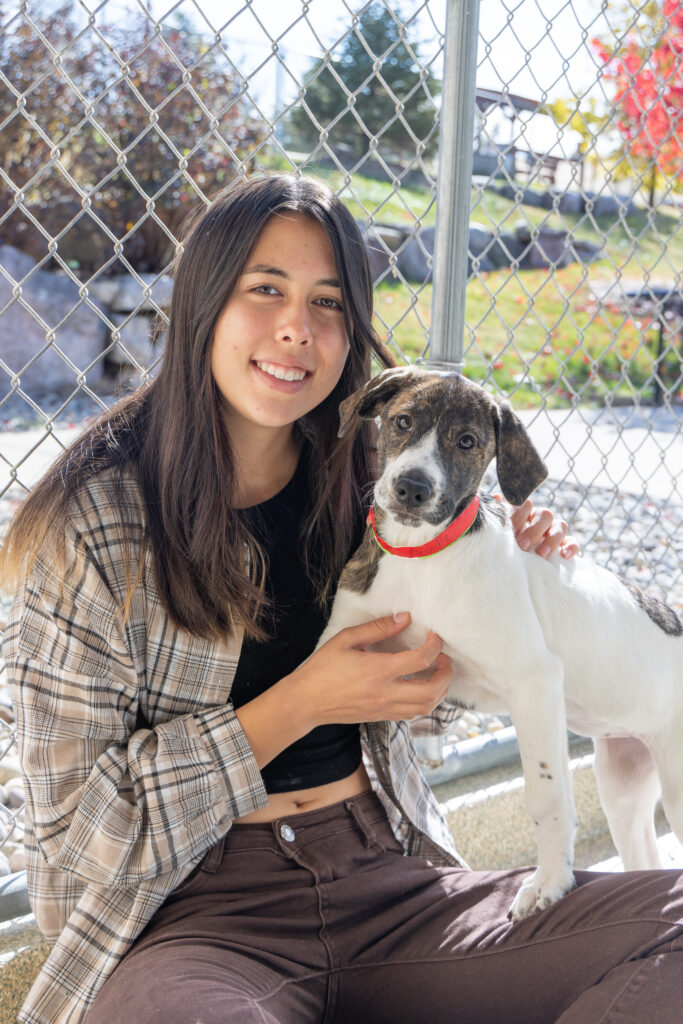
(447, 593)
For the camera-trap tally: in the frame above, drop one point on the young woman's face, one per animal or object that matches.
(280, 342)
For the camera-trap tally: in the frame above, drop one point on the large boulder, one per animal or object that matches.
(123, 293)
(381, 242)
(489, 251)
(54, 298)
(612, 206)
(543, 247)
(527, 196)
(415, 258)
(139, 344)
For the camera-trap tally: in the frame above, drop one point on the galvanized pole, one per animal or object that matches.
(454, 185)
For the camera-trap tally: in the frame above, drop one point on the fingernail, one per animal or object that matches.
(543, 550)
(525, 544)
(401, 616)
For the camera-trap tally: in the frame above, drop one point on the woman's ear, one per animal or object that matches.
(366, 402)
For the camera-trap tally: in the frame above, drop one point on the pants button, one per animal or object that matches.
(287, 833)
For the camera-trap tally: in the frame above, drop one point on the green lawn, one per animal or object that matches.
(536, 334)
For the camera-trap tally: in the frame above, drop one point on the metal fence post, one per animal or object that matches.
(454, 184)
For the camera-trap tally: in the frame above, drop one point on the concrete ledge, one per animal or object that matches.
(492, 829)
(13, 897)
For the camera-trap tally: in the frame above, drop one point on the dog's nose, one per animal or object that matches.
(413, 490)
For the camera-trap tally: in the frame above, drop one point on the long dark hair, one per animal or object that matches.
(171, 435)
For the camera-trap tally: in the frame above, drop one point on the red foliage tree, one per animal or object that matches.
(648, 76)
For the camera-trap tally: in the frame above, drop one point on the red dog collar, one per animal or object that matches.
(453, 532)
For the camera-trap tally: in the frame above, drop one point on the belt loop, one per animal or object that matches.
(369, 835)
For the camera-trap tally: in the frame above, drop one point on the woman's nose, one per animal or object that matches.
(295, 327)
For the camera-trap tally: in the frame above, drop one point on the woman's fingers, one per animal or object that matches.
(536, 529)
(374, 631)
(420, 696)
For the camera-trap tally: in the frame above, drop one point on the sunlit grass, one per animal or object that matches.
(538, 335)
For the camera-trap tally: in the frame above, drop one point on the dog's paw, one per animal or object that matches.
(538, 893)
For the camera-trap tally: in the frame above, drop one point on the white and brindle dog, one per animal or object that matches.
(553, 643)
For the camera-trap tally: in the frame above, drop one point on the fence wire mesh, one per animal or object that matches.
(117, 118)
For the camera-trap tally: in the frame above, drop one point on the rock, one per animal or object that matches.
(9, 769)
(480, 265)
(549, 198)
(571, 202)
(16, 262)
(480, 238)
(506, 250)
(124, 294)
(479, 248)
(136, 341)
(549, 247)
(382, 241)
(17, 860)
(54, 298)
(415, 258)
(611, 206)
(5, 869)
(586, 252)
(379, 252)
(528, 196)
(533, 198)
(14, 789)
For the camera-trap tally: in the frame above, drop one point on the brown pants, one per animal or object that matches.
(321, 918)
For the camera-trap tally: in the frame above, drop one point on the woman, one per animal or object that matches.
(211, 834)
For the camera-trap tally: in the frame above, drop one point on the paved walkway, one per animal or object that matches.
(638, 451)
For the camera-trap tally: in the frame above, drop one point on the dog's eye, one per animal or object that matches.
(404, 422)
(467, 441)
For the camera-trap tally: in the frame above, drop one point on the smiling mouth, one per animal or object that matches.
(281, 372)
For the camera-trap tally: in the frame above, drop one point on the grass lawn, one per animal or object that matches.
(540, 335)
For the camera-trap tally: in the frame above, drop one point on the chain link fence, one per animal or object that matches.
(117, 118)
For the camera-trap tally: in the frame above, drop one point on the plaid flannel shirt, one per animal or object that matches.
(135, 762)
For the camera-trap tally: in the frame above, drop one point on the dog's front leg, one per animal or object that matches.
(538, 714)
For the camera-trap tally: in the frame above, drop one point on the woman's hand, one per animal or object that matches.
(538, 530)
(345, 682)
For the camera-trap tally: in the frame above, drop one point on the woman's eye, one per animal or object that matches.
(328, 303)
(404, 422)
(265, 289)
(467, 441)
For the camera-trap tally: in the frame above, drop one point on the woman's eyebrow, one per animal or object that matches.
(265, 268)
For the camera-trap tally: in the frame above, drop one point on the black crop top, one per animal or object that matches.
(294, 622)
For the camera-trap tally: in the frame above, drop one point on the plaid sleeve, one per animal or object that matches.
(112, 803)
(439, 721)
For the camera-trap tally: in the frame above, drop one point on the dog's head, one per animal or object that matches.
(438, 433)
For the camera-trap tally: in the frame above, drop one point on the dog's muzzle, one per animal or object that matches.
(413, 491)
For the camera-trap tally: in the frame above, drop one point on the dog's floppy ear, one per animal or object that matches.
(365, 402)
(520, 468)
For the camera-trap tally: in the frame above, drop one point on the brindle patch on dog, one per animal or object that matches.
(361, 569)
(492, 507)
(660, 613)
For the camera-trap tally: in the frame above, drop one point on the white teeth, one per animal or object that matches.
(280, 372)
